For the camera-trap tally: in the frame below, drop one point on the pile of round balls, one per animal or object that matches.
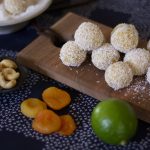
(16, 7)
(106, 56)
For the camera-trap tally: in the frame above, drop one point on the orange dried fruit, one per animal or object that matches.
(46, 122)
(68, 125)
(31, 106)
(56, 98)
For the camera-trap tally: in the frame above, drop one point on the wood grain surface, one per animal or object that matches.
(43, 56)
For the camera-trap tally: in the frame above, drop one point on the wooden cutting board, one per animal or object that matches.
(43, 56)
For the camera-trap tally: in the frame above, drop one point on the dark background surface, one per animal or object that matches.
(110, 12)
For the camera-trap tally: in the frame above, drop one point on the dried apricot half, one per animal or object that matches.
(68, 125)
(46, 122)
(56, 98)
(31, 106)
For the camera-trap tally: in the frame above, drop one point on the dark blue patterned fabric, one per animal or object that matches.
(15, 129)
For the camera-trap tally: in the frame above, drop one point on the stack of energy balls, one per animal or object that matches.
(106, 56)
(16, 7)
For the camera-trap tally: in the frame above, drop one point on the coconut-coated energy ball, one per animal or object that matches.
(124, 37)
(89, 36)
(104, 56)
(118, 75)
(139, 60)
(148, 75)
(15, 6)
(72, 55)
(148, 45)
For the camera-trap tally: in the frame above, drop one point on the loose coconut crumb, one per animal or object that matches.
(140, 90)
(98, 81)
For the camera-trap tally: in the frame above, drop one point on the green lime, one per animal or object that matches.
(114, 121)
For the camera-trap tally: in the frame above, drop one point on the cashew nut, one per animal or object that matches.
(6, 84)
(10, 74)
(7, 63)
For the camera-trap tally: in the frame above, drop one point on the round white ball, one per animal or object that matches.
(124, 37)
(104, 56)
(118, 75)
(15, 7)
(148, 45)
(139, 60)
(71, 54)
(89, 36)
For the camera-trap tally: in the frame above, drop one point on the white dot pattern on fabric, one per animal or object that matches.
(81, 107)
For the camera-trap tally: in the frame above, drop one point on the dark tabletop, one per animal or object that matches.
(15, 129)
